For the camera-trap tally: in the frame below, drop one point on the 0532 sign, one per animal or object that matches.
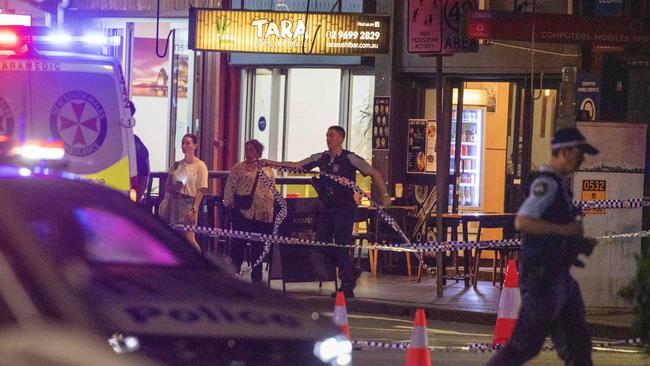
(594, 190)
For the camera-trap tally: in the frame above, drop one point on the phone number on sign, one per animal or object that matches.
(371, 36)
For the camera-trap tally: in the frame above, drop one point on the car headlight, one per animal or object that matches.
(122, 344)
(336, 351)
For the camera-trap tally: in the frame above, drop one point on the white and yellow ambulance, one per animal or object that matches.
(49, 93)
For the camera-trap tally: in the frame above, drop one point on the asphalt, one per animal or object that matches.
(394, 295)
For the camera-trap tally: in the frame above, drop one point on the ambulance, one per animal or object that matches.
(50, 92)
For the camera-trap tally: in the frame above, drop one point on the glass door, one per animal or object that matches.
(530, 130)
(469, 190)
(264, 110)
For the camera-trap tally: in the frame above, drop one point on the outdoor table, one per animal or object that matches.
(485, 219)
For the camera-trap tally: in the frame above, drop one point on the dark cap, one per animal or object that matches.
(571, 137)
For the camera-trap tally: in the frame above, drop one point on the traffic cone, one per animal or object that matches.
(341, 314)
(418, 352)
(508, 305)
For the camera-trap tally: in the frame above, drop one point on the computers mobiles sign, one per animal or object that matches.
(288, 32)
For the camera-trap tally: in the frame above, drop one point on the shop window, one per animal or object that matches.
(360, 121)
(267, 124)
(543, 126)
(307, 102)
(181, 93)
(313, 102)
(150, 86)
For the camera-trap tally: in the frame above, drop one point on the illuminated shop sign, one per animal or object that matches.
(292, 33)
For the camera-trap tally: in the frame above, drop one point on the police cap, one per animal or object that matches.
(571, 137)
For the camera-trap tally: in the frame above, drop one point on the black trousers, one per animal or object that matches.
(550, 305)
(335, 225)
(239, 245)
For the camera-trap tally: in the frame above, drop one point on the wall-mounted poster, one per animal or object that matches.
(416, 146)
(150, 75)
(491, 98)
(380, 129)
(432, 131)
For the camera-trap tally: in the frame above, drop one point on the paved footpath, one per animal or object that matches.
(401, 295)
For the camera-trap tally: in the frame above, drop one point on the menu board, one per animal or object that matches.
(431, 164)
(381, 112)
(421, 146)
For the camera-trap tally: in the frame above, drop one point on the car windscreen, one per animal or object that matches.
(104, 236)
(111, 238)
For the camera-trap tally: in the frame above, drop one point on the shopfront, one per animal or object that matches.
(159, 79)
(287, 102)
(494, 138)
(282, 109)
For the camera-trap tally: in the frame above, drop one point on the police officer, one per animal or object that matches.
(141, 181)
(551, 303)
(337, 216)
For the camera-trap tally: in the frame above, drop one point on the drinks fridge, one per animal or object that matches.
(471, 151)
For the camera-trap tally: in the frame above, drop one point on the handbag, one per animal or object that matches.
(164, 209)
(246, 201)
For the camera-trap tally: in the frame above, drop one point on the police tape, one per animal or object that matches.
(487, 347)
(622, 203)
(424, 247)
(279, 218)
(277, 239)
(418, 248)
(388, 219)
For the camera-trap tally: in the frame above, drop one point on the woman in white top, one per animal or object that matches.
(257, 216)
(186, 183)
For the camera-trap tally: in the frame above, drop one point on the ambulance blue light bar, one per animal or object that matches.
(13, 38)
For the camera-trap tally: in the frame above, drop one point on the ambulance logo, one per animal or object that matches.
(79, 120)
(6, 119)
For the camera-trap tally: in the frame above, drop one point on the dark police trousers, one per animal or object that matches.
(335, 225)
(551, 304)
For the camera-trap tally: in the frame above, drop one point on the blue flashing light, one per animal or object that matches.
(62, 39)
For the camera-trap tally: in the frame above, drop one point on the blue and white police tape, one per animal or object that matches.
(355, 188)
(279, 218)
(427, 247)
(282, 214)
(622, 203)
(349, 184)
(285, 240)
(488, 347)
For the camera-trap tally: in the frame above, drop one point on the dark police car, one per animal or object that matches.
(84, 255)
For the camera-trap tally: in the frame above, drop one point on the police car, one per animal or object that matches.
(50, 93)
(86, 256)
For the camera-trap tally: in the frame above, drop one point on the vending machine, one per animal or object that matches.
(471, 155)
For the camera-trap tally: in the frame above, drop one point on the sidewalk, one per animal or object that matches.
(401, 295)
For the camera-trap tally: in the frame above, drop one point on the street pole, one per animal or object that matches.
(441, 181)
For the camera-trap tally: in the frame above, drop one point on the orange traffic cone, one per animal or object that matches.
(508, 305)
(341, 314)
(418, 352)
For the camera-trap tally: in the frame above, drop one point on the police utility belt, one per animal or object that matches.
(331, 194)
